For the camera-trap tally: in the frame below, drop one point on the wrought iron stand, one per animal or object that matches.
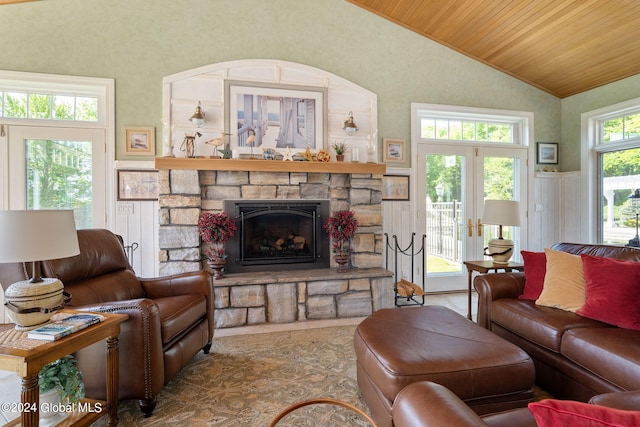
(405, 290)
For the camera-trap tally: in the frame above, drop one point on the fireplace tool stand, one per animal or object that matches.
(407, 292)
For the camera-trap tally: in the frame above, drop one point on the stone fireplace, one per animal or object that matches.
(268, 292)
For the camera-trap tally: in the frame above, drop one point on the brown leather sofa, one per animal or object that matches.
(170, 318)
(427, 404)
(575, 357)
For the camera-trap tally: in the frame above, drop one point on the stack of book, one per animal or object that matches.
(64, 325)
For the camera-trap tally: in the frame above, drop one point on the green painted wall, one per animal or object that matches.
(138, 42)
(574, 106)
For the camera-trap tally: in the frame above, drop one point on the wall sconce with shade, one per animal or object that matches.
(198, 118)
(634, 202)
(501, 213)
(34, 236)
(349, 126)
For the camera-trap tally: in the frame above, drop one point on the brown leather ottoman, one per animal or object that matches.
(396, 347)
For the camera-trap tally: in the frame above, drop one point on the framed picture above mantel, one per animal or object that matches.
(265, 115)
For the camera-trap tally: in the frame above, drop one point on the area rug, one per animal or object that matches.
(247, 380)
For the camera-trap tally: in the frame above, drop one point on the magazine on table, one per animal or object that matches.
(64, 325)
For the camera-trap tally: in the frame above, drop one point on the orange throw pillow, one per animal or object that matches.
(564, 284)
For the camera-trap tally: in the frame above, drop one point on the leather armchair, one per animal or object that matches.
(170, 318)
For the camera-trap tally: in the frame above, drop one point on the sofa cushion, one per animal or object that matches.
(562, 413)
(541, 325)
(179, 313)
(563, 281)
(612, 293)
(535, 267)
(119, 285)
(611, 353)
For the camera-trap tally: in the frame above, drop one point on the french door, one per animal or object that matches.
(58, 168)
(453, 180)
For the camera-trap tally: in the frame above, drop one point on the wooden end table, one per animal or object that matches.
(26, 357)
(484, 267)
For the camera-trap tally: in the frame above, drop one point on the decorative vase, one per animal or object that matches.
(340, 157)
(217, 265)
(343, 261)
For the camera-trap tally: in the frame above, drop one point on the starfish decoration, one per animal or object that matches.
(288, 155)
(225, 152)
(308, 155)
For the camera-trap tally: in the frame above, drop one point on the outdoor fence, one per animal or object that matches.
(444, 230)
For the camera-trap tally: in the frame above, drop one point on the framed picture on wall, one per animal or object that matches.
(139, 140)
(263, 116)
(393, 150)
(547, 153)
(395, 187)
(137, 184)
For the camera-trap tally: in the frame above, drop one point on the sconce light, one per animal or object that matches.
(350, 127)
(198, 117)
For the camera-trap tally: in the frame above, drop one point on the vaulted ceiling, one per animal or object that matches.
(561, 46)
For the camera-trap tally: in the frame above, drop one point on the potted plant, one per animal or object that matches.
(340, 148)
(215, 229)
(60, 382)
(341, 227)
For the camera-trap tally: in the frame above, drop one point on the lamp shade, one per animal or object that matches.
(501, 212)
(37, 235)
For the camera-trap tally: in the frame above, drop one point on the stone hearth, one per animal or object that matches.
(286, 296)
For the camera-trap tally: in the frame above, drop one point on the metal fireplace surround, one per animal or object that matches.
(277, 235)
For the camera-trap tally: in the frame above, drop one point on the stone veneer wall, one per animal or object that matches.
(184, 194)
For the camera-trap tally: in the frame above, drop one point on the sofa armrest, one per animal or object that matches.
(491, 287)
(428, 404)
(625, 400)
(196, 282)
(141, 359)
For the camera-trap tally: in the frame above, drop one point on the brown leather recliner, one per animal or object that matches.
(170, 318)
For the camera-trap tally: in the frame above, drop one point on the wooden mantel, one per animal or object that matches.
(182, 163)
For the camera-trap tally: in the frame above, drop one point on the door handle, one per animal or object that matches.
(479, 227)
(470, 226)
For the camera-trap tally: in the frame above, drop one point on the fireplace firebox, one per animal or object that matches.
(277, 235)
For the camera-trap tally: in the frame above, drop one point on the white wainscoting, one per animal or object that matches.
(137, 222)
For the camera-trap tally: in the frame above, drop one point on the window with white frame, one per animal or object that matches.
(56, 144)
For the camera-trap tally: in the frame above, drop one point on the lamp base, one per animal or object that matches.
(31, 304)
(500, 250)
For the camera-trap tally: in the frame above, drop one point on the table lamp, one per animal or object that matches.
(501, 213)
(33, 236)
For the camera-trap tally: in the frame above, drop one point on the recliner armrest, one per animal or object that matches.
(196, 282)
(140, 347)
(491, 287)
(428, 404)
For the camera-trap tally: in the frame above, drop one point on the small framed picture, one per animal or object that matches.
(547, 153)
(395, 187)
(139, 140)
(393, 150)
(137, 184)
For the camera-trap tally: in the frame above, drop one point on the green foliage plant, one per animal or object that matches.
(63, 374)
(340, 147)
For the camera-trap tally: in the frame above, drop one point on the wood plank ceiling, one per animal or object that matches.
(561, 46)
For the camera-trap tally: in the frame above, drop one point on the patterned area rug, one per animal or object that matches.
(247, 380)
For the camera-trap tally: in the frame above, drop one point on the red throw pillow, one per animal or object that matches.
(563, 413)
(612, 292)
(535, 267)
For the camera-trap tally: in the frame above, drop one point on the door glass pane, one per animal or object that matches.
(500, 183)
(621, 176)
(444, 175)
(59, 176)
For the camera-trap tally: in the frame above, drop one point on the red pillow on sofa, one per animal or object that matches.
(563, 413)
(535, 267)
(612, 292)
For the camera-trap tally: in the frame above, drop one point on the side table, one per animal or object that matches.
(483, 267)
(26, 357)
